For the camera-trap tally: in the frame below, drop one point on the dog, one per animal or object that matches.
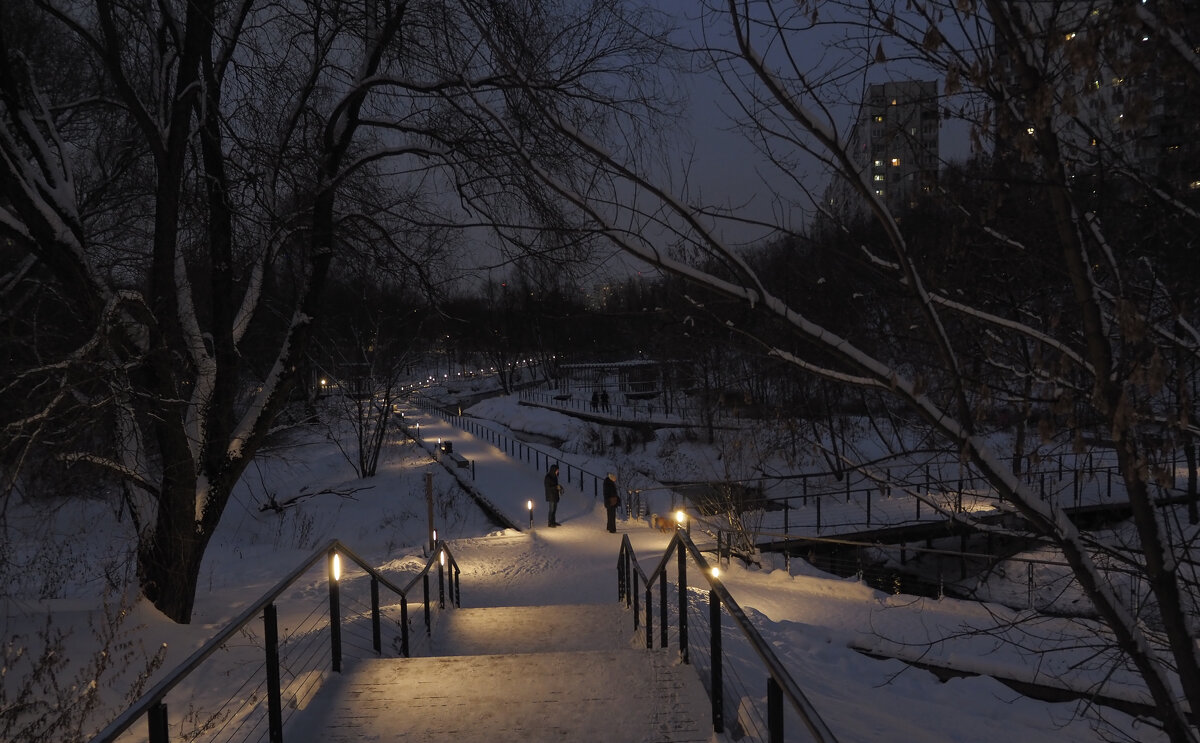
(662, 523)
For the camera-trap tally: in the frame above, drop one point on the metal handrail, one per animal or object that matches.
(779, 680)
(153, 698)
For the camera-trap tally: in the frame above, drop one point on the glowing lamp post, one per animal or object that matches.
(441, 579)
(681, 521)
(335, 612)
(714, 648)
(529, 505)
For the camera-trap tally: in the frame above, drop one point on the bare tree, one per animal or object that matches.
(181, 213)
(1108, 341)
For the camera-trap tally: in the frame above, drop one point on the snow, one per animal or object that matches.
(813, 620)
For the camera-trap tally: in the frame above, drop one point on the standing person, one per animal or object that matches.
(553, 493)
(595, 400)
(612, 500)
(604, 400)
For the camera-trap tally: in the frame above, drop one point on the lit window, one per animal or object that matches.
(1070, 36)
(1194, 185)
(879, 192)
(1029, 131)
(895, 161)
(879, 118)
(894, 100)
(879, 177)
(879, 163)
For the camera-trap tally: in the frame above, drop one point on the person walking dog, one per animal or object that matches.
(612, 499)
(553, 493)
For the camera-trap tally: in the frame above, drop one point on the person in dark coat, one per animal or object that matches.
(604, 400)
(612, 500)
(553, 493)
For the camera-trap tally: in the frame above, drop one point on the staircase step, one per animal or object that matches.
(600, 695)
(532, 629)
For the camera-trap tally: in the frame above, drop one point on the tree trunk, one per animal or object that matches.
(169, 559)
(1189, 452)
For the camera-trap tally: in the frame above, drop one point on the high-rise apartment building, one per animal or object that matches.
(895, 145)
(1125, 108)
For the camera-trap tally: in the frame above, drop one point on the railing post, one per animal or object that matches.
(441, 579)
(662, 610)
(335, 617)
(375, 633)
(274, 704)
(622, 577)
(774, 711)
(714, 628)
(630, 579)
(650, 614)
(404, 626)
(636, 599)
(457, 586)
(425, 586)
(683, 638)
(156, 719)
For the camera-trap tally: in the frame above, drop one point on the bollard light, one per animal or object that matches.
(529, 505)
(337, 567)
(716, 572)
(442, 557)
(680, 517)
(435, 536)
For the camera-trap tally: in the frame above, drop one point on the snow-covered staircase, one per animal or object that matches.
(521, 673)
